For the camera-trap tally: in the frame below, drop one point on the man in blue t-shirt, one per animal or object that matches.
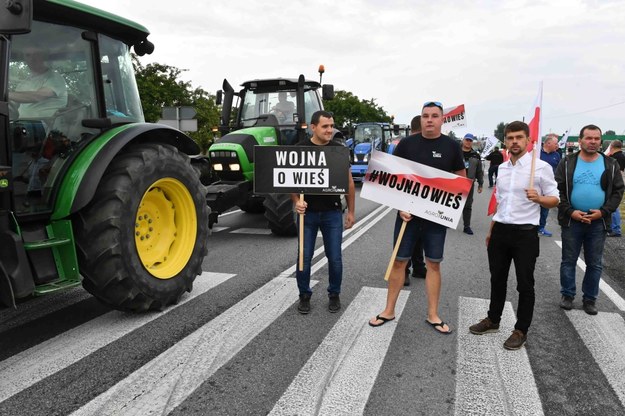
(591, 188)
(549, 153)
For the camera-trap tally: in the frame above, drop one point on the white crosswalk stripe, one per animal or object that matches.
(33, 365)
(491, 380)
(603, 335)
(166, 381)
(338, 378)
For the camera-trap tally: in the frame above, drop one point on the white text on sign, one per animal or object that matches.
(309, 178)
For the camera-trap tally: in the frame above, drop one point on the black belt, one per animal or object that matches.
(519, 227)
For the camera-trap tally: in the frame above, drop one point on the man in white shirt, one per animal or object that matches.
(513, 232)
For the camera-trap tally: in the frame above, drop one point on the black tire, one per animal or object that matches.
(113, 256)
(280, 215)
(253, 205)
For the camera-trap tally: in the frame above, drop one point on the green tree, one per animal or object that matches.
(499, 131)
(348, 109)
(159, 86)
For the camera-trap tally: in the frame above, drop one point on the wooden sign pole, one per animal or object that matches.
(301, 237)
(395, 250)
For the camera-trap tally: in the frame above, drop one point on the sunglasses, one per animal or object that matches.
(433, 103)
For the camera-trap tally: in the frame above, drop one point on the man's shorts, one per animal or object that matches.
(432, 238)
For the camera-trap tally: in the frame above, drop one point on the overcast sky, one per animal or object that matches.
(489, 55)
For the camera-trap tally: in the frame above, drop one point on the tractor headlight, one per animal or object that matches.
(366, 158)
(218, 166)
(355, 157)
(234, 166)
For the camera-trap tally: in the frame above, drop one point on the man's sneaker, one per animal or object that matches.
(566, 303)
(335, 303)
(589, 307)
(468, 230)
(542, 231)
(407, 278)
(304, 304)
(516, 340)
(484, 327)
(419, 272)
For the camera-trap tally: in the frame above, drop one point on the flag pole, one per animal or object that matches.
(301, 237)
(395, 250)
(533, 167)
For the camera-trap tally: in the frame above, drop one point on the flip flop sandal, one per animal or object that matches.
(381, 318)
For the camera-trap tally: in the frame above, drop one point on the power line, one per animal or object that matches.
(587, 111)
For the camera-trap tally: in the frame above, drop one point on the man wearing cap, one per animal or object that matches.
(430, 148)
(473, 165)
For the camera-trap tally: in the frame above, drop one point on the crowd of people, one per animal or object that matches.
(586, 186)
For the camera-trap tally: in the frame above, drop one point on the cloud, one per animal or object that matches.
(488, 55)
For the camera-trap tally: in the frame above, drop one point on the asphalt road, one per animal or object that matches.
(237, 346)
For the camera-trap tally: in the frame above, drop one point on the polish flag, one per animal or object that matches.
(492, 203)
(534, 119)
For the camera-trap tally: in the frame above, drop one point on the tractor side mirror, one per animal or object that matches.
(16, 17)
(219, 97)
(327, 92)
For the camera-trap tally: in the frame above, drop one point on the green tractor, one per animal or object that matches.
(89, 193)
(270, 112)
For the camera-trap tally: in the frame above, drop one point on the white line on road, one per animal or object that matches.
(167, 380)
(491, 380)
(605, 288)
(255, 231)
(33, 365)
(603, 335)
(339, 376)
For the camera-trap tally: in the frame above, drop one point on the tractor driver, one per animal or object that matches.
(284, 109)
(44, 92)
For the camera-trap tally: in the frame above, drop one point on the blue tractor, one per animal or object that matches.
(367, 136)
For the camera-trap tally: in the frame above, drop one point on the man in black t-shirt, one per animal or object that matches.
(325, 213)
(495, 159)
(434, 149)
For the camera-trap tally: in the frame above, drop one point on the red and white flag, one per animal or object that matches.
(534, 119)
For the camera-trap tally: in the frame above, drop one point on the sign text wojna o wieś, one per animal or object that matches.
(301, 169)
(421, 190)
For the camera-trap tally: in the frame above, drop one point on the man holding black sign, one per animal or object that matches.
(323, 212)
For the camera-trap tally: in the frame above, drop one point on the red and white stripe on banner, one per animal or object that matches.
(454, 117)
(421, 190)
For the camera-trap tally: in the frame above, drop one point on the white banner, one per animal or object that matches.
(490, 144)
(454, 117)
(421, 190)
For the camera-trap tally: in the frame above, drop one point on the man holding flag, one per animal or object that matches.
(523, 186)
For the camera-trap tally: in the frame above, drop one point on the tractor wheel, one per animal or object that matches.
(253, 205)
(142, 238)
(279, 214)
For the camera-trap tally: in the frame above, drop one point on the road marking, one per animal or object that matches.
(225, 214)
(255, 231)
(363, 228)
(339, 376)
(603, 335)
(605, 288)
(41, 306)
(489, 379)
(217, 229)
(167, 380)
(33, 365)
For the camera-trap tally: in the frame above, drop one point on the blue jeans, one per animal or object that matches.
(616, 222)
(544, 213)
(431, 235)
(592, 238)
(331, 225)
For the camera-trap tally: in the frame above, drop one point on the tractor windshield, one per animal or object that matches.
(53, 87)
(282, 104)
(368, 134)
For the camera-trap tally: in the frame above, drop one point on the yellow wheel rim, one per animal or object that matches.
(165, 228)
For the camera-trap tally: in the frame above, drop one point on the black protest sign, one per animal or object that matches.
(301, 169)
